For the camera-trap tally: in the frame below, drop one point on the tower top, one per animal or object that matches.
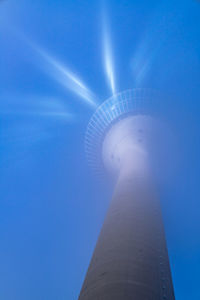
(128, 103)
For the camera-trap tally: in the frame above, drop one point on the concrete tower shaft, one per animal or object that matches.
(130, 261)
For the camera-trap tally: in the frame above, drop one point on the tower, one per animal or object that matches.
(130, 260)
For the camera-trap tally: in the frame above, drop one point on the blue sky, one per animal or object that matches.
(51, 207)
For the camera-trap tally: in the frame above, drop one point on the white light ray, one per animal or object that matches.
(108, 57)
(65, 77)
(36, 106)
(142, 60)
(61, 73)
(64, 115)
(154, 38)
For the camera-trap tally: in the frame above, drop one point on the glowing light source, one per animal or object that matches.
(108, 57)
(65, 77)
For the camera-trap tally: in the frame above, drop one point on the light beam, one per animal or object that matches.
(36, 106)
(108, 56)
(65, 77)
(60, 72)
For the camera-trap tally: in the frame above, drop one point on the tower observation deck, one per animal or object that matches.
(130, 260)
